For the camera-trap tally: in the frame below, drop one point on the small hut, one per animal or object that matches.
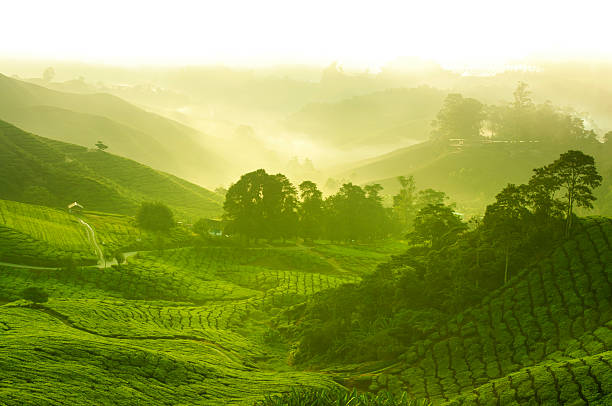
(74, 207)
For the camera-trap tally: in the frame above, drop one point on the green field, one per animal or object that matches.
(210, 324)
(178, 326)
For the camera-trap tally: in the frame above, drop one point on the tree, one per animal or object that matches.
(311, 213)
(260, 205)
(281, 207)
(522, 98)
(404, 202)
(346, 213)
(505, 220)
(48, 74)
(437, 225)
(540, 193)
(459, 117)
(577, 175)
(200, 227)
(155, 216)
(101, 146)
(430, 197)
(119, 257)
(35, 294)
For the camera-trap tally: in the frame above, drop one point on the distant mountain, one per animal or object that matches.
(128, 130)
(38, 170)
(393, 116)
(473, 174)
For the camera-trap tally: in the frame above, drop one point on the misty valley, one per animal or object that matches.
(411, 235)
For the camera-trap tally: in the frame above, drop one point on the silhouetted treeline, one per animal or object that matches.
(519, 121)
(267, 206)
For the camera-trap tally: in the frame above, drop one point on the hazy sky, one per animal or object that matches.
(357, 33)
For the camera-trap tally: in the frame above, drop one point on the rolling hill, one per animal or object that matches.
(129, 131)
(471, 175)
(543, 338)
(389, 117)
(38, 170)
(178, 326)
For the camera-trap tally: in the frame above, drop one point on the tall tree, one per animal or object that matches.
(260, 205)
(459, 117)
(243, 204)
(311, 211)
(437, 225)
(505, 220)
(404, 202)
(577, 175)
(541, 191)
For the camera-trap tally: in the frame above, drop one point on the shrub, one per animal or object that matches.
(34, 294)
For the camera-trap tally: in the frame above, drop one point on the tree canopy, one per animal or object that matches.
(155, 216)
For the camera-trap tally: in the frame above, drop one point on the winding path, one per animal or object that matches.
(91, 236)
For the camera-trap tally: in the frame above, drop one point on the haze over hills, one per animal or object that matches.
(39, 170)
(471, 175)
(128, 130)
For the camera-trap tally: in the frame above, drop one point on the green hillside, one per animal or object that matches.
(544, 338)
(473, 174)
(42, 171)
(129, 131)
(179, 326)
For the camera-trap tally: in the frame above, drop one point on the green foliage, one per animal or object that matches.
(201, 228)
(155, 216)
(436, 225)
(266, 206)
(459, 117)
(311, 211)
(262, 206)
(338, 397)
(35, 294)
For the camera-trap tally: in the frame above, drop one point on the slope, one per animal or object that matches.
(128, 130)
(42, 171)
(546, 336)
(393, 116)
(181, 326)
(471, 175)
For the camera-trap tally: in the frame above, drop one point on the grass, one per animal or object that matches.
(39, 170)
(56, 228)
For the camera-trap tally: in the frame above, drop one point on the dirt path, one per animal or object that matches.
(91, 236)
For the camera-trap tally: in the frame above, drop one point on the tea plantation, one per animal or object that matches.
(544, 338)
(203, 324)
(189, 325)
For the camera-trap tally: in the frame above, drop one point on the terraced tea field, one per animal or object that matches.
(545, 337)
(178, 326)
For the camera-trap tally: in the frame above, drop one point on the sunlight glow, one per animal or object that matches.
(358, 33)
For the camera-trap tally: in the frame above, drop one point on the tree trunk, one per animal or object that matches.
(506, 267)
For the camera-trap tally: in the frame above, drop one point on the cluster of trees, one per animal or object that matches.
(552, 194)
(261, 205)
(155, 216)
(449, 266)
(520, 120)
